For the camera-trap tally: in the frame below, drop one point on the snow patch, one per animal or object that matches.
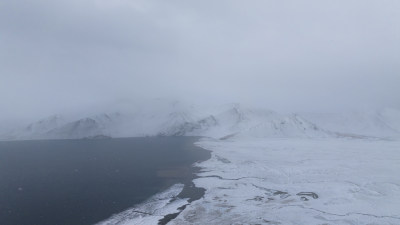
(150, 211)
(297, 181)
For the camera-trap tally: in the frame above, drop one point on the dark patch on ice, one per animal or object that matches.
(282, 194)
(221, 159)
(170, 217)
(240, 178)
(310, 194)
(256, 198)
(190, 192)
(271, 222)
(228, 136)
(304, 198)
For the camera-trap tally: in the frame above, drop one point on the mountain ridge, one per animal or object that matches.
(232, 120)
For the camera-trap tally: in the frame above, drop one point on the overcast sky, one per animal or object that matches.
(302, 55)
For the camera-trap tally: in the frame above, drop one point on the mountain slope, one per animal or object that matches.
(161, 118)
(381, 123)
(237, 120)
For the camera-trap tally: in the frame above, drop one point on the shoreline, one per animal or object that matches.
(89, 181)
(297, 181)
(189, 191)
(170, 201)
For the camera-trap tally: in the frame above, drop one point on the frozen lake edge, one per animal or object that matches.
(298, 181)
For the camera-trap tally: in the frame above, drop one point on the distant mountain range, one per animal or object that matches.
(176, 119)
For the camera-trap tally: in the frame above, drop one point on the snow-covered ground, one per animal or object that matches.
(302, 181)
(298, 181)
(266, 167)
(152, 210)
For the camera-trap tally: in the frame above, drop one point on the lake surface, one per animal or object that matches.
(81, 182)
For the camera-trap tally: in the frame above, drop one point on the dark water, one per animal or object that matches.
(81, 182)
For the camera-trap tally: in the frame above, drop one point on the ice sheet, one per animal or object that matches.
(298, 181)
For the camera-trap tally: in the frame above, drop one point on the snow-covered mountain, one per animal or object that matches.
(85, 127)
(239, 121)
(143, 120)
(380, 123)
(162, 118)
(38, 129)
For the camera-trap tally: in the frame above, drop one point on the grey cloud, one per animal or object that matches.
(289, 55)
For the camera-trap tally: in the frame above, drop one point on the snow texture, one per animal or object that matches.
(298, 181)
(150, 211)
